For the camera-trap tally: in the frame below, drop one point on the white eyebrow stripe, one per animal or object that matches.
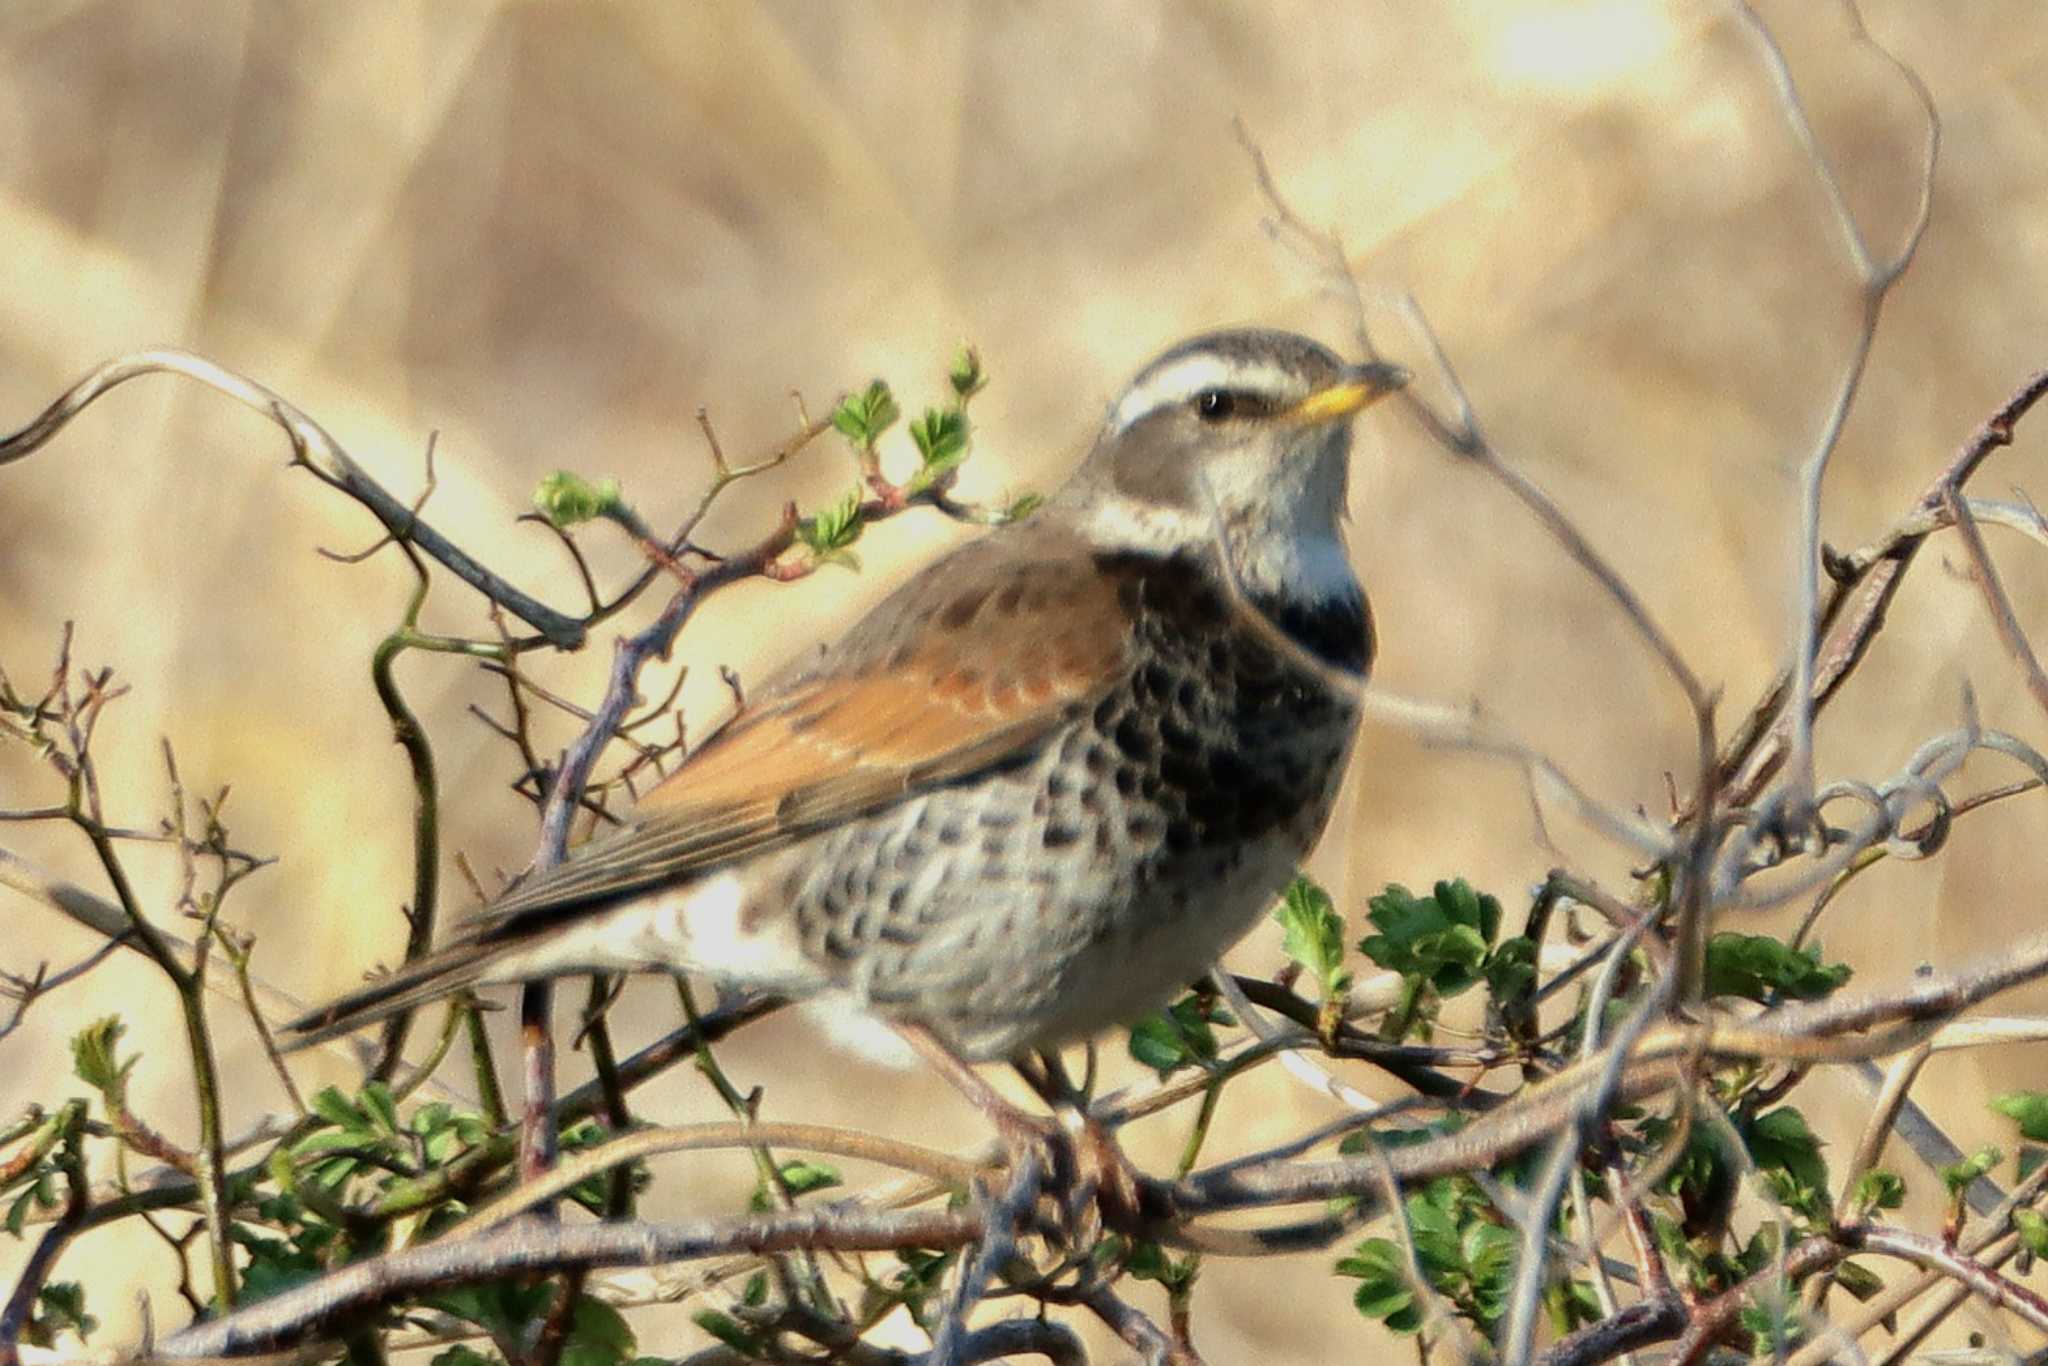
(1180, 380)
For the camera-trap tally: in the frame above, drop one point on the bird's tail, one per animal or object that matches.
(438, 974)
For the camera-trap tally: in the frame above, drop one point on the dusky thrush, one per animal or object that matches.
(1042, 785)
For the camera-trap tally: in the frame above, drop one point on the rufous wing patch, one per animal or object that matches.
(961, 671)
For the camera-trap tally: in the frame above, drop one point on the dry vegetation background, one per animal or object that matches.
(551, 231)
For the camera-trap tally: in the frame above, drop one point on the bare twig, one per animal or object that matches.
(312, 449)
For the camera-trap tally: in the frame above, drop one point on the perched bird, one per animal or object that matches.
(1041, 786)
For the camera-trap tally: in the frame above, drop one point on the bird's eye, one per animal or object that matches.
(1215, 404)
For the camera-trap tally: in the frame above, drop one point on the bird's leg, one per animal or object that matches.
(1011, 1122)
(1059, 1155)
(1116, 1184)
(1080, 1156)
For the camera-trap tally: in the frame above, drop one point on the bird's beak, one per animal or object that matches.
(1357, 387)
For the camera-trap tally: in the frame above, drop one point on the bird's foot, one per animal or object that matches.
(1076, 1159)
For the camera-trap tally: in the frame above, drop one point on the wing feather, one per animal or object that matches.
(971, 666)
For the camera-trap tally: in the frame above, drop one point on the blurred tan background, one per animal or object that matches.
(550, 231)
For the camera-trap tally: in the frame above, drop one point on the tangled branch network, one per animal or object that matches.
(1610, 1162)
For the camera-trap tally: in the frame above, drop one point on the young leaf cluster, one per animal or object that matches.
(1442, 944)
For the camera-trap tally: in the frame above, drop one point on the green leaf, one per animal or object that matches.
(598, 1336)
(1314, 936)
(804, 1177)
(504, 1309)
(1859, 1280)
(831, 531)
(60, 1308)
(1757, 967)
(567, 499)
(1511, 969)
(380, 1107)
(1772, 1318)
(335, 1108)
(1489, 1256)
(1433, 1228)
(800, 1177)
(1781, 1141)
(965, 373)
(17, 1212)
(861, 418)
(1878, 1189)
(729, 1331)
(93, 1058)
(327, 1141)
(1959, 1176)
(941, 437)
(1179, 1036)
(331, 1173)
(1023, 506)
(1573, 1304)
(274, 1266)
(2032, 1227)
(2029, 1109)
(911, 1285)
(1149, 1262)
(1383, 1292)
(444, 1145)
(432, 1117)
(1467, 907)
(460, 1355)
(1441, 939)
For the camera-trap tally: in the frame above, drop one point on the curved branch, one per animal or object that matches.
(534, 1246)
(817, 1138)
(313, 448)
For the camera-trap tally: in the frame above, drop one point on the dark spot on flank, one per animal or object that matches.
(1060, 834)
(1133, 740)
(1184, 771)
(1226, 769)
(1215, 808)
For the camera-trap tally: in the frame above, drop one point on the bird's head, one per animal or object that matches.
(1238, 438)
